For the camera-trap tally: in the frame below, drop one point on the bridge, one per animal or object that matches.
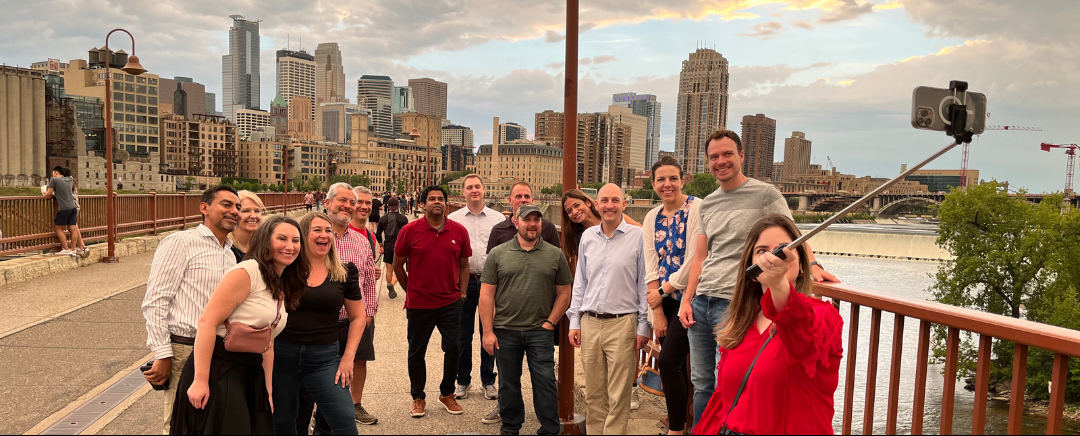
(883, 205)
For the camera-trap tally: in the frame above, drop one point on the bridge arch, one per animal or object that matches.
(892, 206)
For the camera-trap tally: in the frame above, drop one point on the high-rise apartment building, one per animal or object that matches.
(403, 103)
(186, 96)
(430, 95)
(549, 128)
(296, 78)
(512, 132)
(639, 132)
(211, 104)
(329, 74)
(703, 107)
(240, 77)
(604, 143)
(376, 94)
(135, 99)
(759, 145)
(458, 135)
(647, 106)
(335, 121)
(249, 119)
(796, 157)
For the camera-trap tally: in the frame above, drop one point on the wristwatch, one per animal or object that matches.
(818, 264)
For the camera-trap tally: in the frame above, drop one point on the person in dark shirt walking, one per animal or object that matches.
(387, 233)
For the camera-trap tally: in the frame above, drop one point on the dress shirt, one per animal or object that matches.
(187, 267)
(353, 248)
(479, 227)
(611, 276)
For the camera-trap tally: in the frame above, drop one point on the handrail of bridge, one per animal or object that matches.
(1064, 343)
(26, 223)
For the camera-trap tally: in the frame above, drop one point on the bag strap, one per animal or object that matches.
(747, 378)
(278, 318)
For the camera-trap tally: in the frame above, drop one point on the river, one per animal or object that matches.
(909, 279)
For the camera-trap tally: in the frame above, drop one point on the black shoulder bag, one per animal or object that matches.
(724, 430)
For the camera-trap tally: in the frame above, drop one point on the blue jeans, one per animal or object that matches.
(313, 367)
(538, 349)
(468, 327)
(709, 312)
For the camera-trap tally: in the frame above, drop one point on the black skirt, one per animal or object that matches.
(238, 403)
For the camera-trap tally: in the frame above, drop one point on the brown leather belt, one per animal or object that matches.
(606, 315)
(182, 340)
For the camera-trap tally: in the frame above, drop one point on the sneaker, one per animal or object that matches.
(491, 392)
(363, 417)
(493, 417)
(462, 392)
(393, 293)
(84, 253)
(418, 408)
(634, 403)
(451, 405)
(65, 253)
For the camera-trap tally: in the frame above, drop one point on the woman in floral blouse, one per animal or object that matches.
(667, 251)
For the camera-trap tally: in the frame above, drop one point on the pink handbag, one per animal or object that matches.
(242, 338)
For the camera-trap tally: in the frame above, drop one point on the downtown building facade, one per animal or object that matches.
(376, 95)
(182, 96)
(533, 162)
(648, 106)
(23, 158)
(329, 74)
(247, 120)
(296, 78)
(509, 132)
(702, 107)
(201, 146)
(759, 146)
(240, 77)
(605, 143)
(430, 95)
(797, 152)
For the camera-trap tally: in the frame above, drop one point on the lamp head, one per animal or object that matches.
(133, 66)
(414, 133)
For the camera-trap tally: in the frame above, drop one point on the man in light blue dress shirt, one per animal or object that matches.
(609, 313)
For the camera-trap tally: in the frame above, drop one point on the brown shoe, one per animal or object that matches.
(451, 405)
(418, 408)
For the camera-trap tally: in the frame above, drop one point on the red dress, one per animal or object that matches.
(791, 388)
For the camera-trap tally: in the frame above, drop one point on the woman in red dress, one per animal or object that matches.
(790, 387)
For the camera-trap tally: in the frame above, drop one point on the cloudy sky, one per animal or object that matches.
(840, 70)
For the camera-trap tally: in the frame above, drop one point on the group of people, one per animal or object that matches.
(229, 299)
(63, 189)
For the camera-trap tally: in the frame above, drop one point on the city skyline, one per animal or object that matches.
(841, 71)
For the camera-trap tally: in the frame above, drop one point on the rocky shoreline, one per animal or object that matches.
(1002, 390)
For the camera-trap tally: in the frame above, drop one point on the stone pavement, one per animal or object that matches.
(65, 337)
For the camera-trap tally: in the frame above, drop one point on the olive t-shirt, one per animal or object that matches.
(525, 283)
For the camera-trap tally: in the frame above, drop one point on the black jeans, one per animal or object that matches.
(468, 327)
(313, 367)
(307, 404)
(674, 352)
(422, 323)
(536, 347)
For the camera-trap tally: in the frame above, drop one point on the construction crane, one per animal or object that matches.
(1070, 151)
(967, 148)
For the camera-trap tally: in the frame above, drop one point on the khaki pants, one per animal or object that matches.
(610, 360)
(180, 357)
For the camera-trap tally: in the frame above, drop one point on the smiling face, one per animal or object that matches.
(363, 206)
(578, 210)
(250, 216)
(725, 160)
(668, 182)
(611, 201)
(320, 238)
(768, 241)
(285, 244)
(341, 206)
(223, 213)
(529, 227)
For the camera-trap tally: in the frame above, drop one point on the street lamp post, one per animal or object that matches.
(285, 161)
(416, 134)
(134, 68)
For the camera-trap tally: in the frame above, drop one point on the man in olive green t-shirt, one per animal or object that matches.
(518, 311)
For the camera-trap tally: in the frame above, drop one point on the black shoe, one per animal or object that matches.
(393, 293)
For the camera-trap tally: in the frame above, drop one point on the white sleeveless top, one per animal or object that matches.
(257, 310)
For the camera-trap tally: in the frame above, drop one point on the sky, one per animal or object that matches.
(842, 71)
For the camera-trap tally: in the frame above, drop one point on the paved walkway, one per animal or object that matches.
(66, 337)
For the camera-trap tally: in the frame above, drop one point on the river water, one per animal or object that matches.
(909, 279)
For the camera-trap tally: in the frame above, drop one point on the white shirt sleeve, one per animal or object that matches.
(681, 279)
(652, 258)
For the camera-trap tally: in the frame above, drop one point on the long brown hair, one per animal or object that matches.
(571, 234)
(291, 283)
(743, 311)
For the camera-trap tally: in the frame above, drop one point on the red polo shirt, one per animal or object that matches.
(434, 257)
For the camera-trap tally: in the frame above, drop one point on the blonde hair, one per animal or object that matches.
(247, 195)
(334, 267)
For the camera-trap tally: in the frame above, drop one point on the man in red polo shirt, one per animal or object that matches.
(438, 250)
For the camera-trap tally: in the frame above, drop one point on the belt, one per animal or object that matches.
(182, 340)
(606, 315)
(475, 276)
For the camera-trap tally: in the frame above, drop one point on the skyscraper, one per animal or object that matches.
(549, 128)
(430, 95)
(512, 132)
(759, 145)
(703, 107)
(296, 78)
(402, 102)
(329, 74)
(638, 124)
(647, 106)
(796, 156)
(376, 94)
(240, 77)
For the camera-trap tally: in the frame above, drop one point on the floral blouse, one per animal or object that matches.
(670, 240)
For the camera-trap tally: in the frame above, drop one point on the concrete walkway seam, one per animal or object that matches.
(60, 414)
(61, 314)
(111, 415)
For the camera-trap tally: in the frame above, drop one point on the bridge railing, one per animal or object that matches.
(26, 223)
(1063, 343)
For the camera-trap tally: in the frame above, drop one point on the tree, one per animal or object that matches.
(553, 190)
(701, 185)
(1015, 259)
(450, 177)
(314, 183)
(596, 185)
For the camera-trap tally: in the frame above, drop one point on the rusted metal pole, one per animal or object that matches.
(570, 420)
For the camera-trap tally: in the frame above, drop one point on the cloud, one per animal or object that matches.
(552, 36)
(848, 10)
(1046, 21)
(802, 25)
(765, 30)
(596, 60)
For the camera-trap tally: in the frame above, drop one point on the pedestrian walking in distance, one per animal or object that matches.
(386, 233)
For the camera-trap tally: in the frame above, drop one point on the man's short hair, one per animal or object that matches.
(473, 176)
(332, 192)
(522, 183)
(209, 195)
(721, 134)
(430, 189)
(362, 190)
(59, 169)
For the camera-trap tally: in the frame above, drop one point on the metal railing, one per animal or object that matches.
(1063, 343)
(26, 223)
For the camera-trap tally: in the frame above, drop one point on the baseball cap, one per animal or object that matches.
(527, 209)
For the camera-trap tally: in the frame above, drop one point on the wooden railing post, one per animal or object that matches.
(922, 363)
(1019, 385)
(871, 372)
(183, 210)
(153, 213)
(948, 395)
(1057, 394)
(982, 385)
(852, 351)
(894, 374)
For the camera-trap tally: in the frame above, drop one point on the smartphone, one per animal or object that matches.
(930, 109)
(148, 366)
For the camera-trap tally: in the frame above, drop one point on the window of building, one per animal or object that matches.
(152, 81)
(151, 110)
(140, 79)
(140, 99)
(118, 96)
(152, 120)
(141, 139)
(129, 118)
(129, 87)
(129, 78)
(130, 128)
(129, 138)
(152, 101)
(154, 140)
(141, 89)
(118, 76)
(129, 98)
(140, 109)
(153, 90)
(129, 108)
(118, 106)
(118, 117)
(152, 130)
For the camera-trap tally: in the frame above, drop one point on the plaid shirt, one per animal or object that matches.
(351, 247)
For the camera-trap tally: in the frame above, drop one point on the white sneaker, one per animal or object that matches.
(492, 417)
(66, 253)
(462, 392)
(491, 392)
(634, 403)
(84, 253)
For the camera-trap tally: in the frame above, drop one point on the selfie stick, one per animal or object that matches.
(957, 129)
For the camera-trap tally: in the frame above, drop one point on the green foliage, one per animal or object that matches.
(793, 203)
(553, 190)
(450, 177)
(701, 185)
(1015, 259)
(596, 185)
(314, 183)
